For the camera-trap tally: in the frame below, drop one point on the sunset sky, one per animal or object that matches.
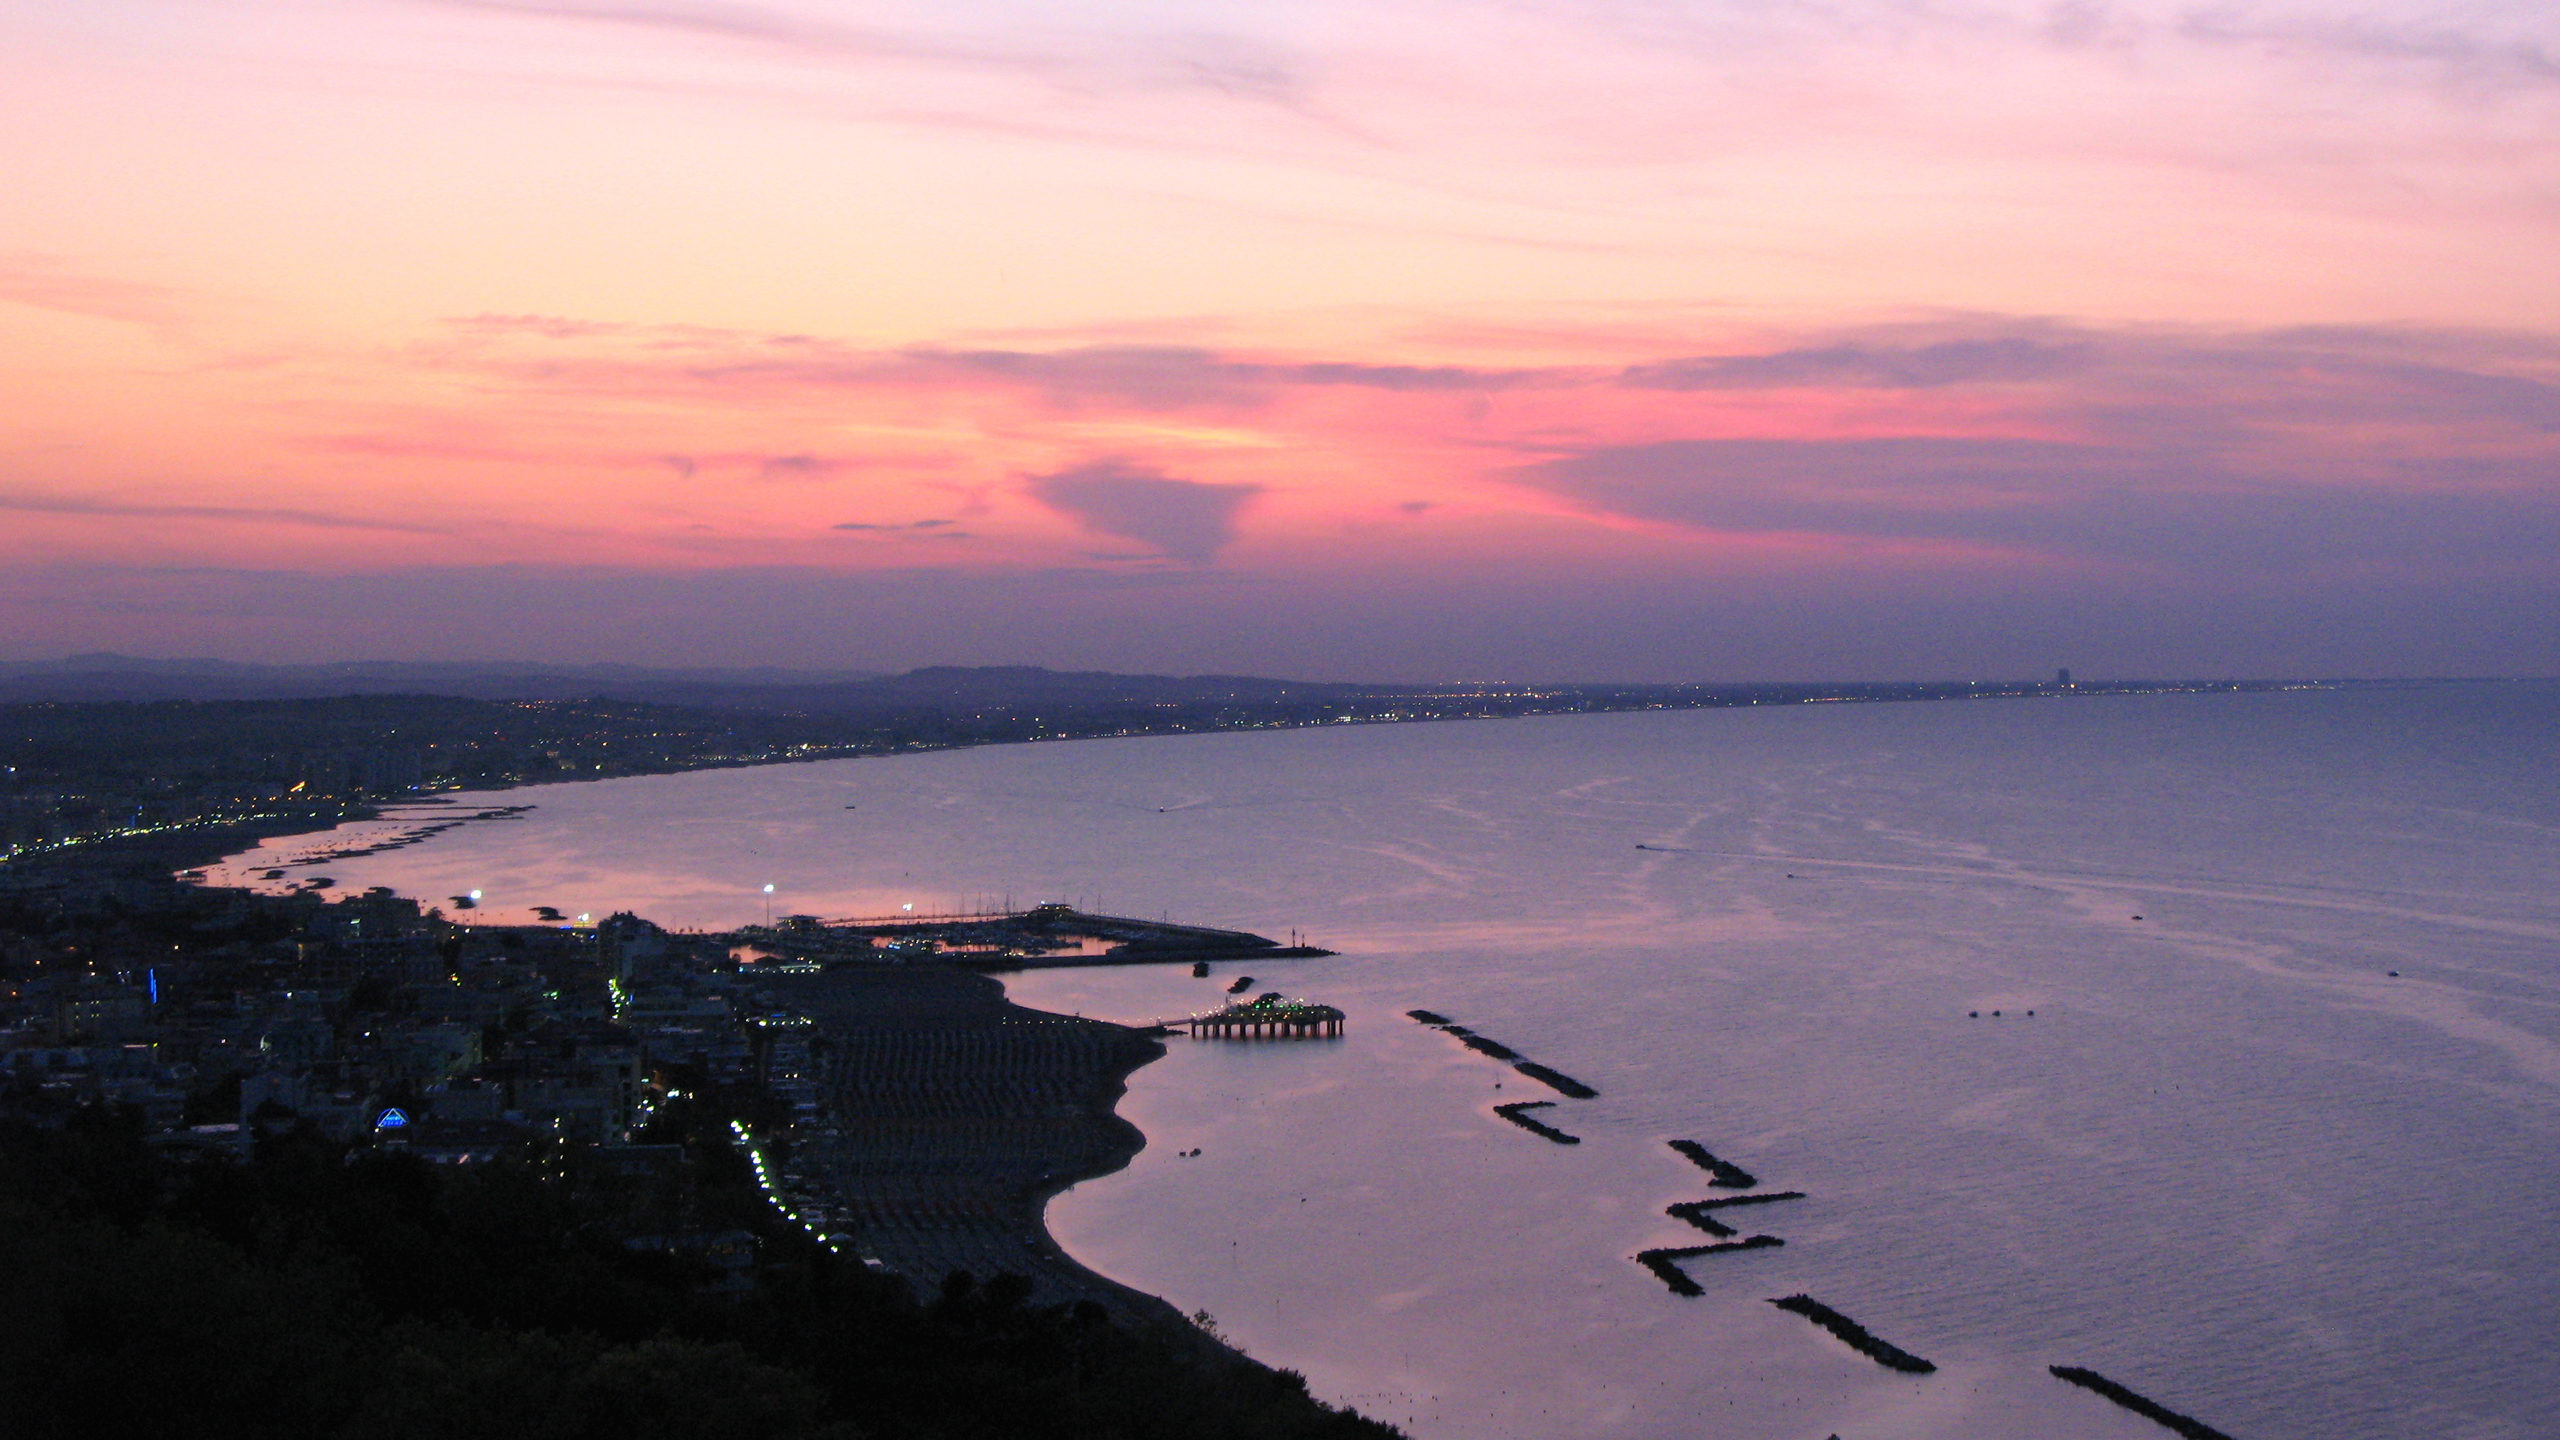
(1422, 340)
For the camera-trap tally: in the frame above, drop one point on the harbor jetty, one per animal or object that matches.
(1045, 935)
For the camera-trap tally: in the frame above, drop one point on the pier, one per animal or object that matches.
(1267, 1017)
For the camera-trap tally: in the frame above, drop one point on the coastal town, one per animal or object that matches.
(713, 1130)
(218, 1017)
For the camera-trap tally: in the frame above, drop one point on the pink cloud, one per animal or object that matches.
(48, 285)
(1185, 520)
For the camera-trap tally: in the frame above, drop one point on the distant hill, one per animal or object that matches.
(960, 694)
(1009, 688)
(126, 677)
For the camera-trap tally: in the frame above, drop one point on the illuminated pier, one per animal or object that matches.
(1268, 1017)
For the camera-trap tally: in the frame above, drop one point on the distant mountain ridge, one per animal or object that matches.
(111, 677)
(1013, 693)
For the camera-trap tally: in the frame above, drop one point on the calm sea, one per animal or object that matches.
(2232, 1159)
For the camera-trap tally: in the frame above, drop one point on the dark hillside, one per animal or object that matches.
(298, 1294)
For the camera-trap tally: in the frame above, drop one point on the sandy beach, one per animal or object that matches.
(952, 1115)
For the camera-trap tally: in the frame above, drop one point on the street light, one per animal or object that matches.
(768, 904)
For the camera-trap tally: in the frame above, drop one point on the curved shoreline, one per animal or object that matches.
(953, 1115)
(984, 1208)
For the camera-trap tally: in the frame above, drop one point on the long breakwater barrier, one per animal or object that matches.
(1517, 1114)
(1723, 1174)
(1491, 1048)
(1664, 1262)
(2152, 1410)
(1699, 1212)
(1856, 1336)
(1556, 1080)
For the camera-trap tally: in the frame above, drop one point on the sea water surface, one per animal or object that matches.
(2232, 1159)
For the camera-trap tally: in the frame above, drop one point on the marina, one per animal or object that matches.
(1043, 935)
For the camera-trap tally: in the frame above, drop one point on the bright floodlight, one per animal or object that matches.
(475, 894)
(768, 889)
(910, 905)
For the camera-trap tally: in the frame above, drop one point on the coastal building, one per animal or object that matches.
(1268, 1016)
